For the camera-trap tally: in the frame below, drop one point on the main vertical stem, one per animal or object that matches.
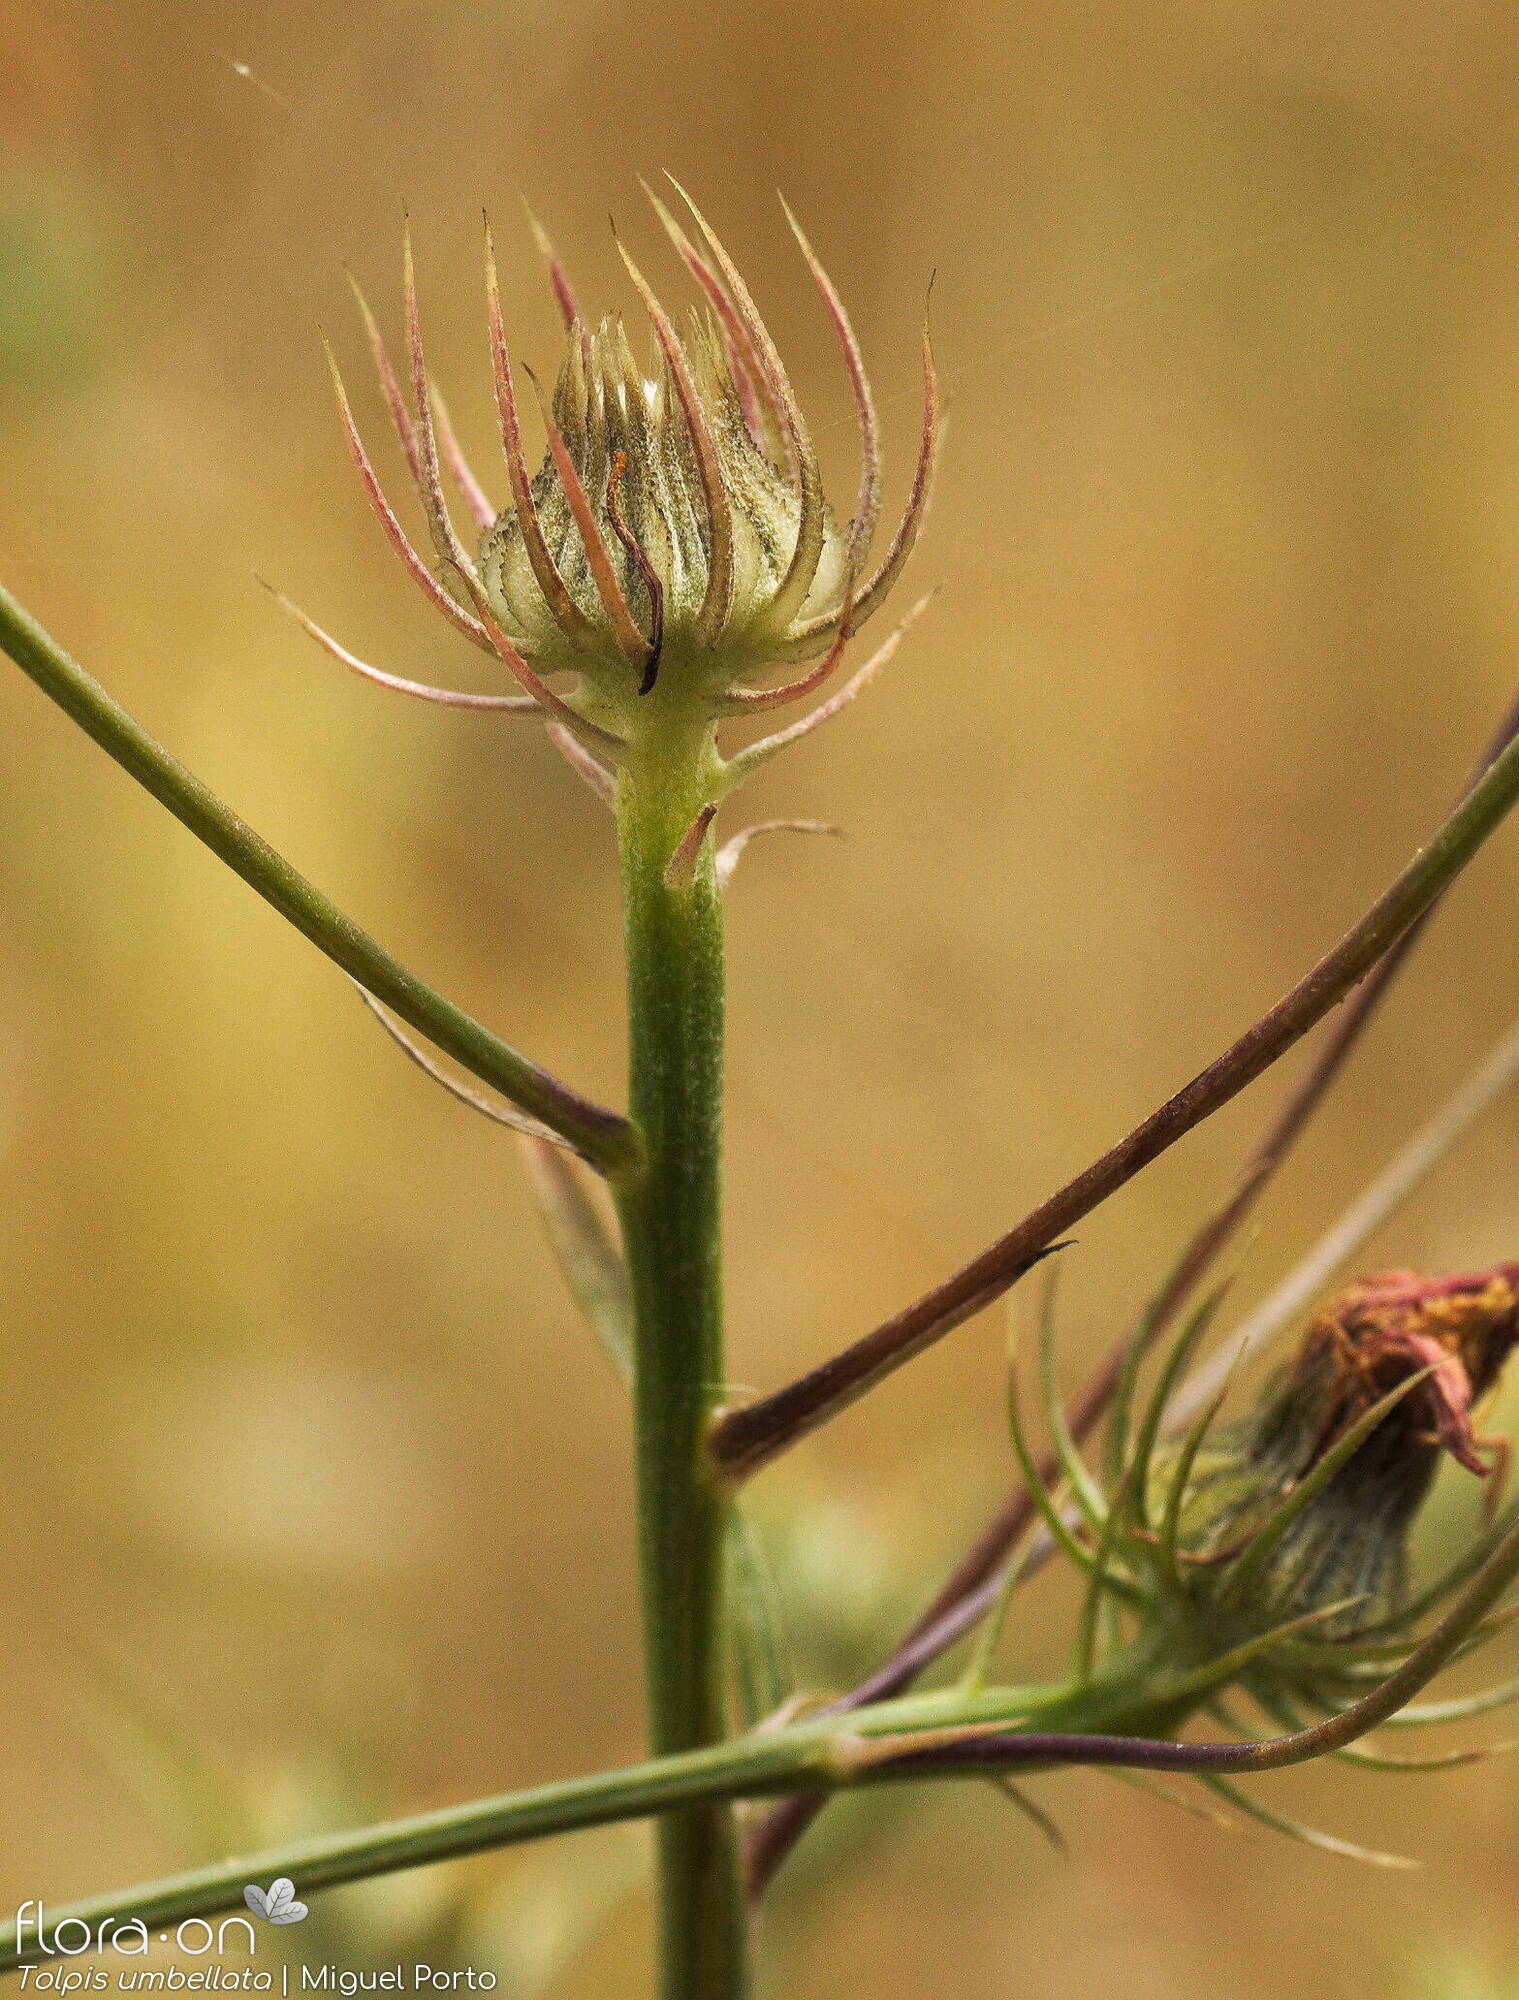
(671, 1217)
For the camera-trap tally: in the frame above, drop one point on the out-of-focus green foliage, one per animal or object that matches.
(50, 292)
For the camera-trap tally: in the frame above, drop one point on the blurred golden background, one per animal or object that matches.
(311, 1479)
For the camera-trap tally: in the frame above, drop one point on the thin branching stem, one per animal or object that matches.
(750, 1437)
(599, 1134)
(1374, 1206)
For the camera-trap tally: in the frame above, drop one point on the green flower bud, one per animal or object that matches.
(713, 599)
(675, 542)
(677, 531)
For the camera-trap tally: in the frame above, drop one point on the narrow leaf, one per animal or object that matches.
(1326, 1843)
(590, 1260)
(761, 1669)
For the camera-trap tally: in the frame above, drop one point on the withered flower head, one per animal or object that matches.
(1266, 1558)
(1310, 1497)
(674, 553)
(1270, 1553)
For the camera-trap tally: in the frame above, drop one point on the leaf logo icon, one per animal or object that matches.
(277, 1905)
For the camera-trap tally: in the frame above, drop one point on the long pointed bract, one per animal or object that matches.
(567, 614)
(746, 761)
(868, 504)
(499, 1114)
(750, 701)
(563, 290)
(591, 733)
(729, 854)
(802, 568)
(719, 591)
(482, 513)
(580, 760)
(395, 402)
(397, 536)
(903, 542)
(749, 371)
(632, 643)
(445, 537)
(508, 704)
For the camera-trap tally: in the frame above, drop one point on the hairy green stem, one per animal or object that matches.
(602, 1136)
(670, 1207)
